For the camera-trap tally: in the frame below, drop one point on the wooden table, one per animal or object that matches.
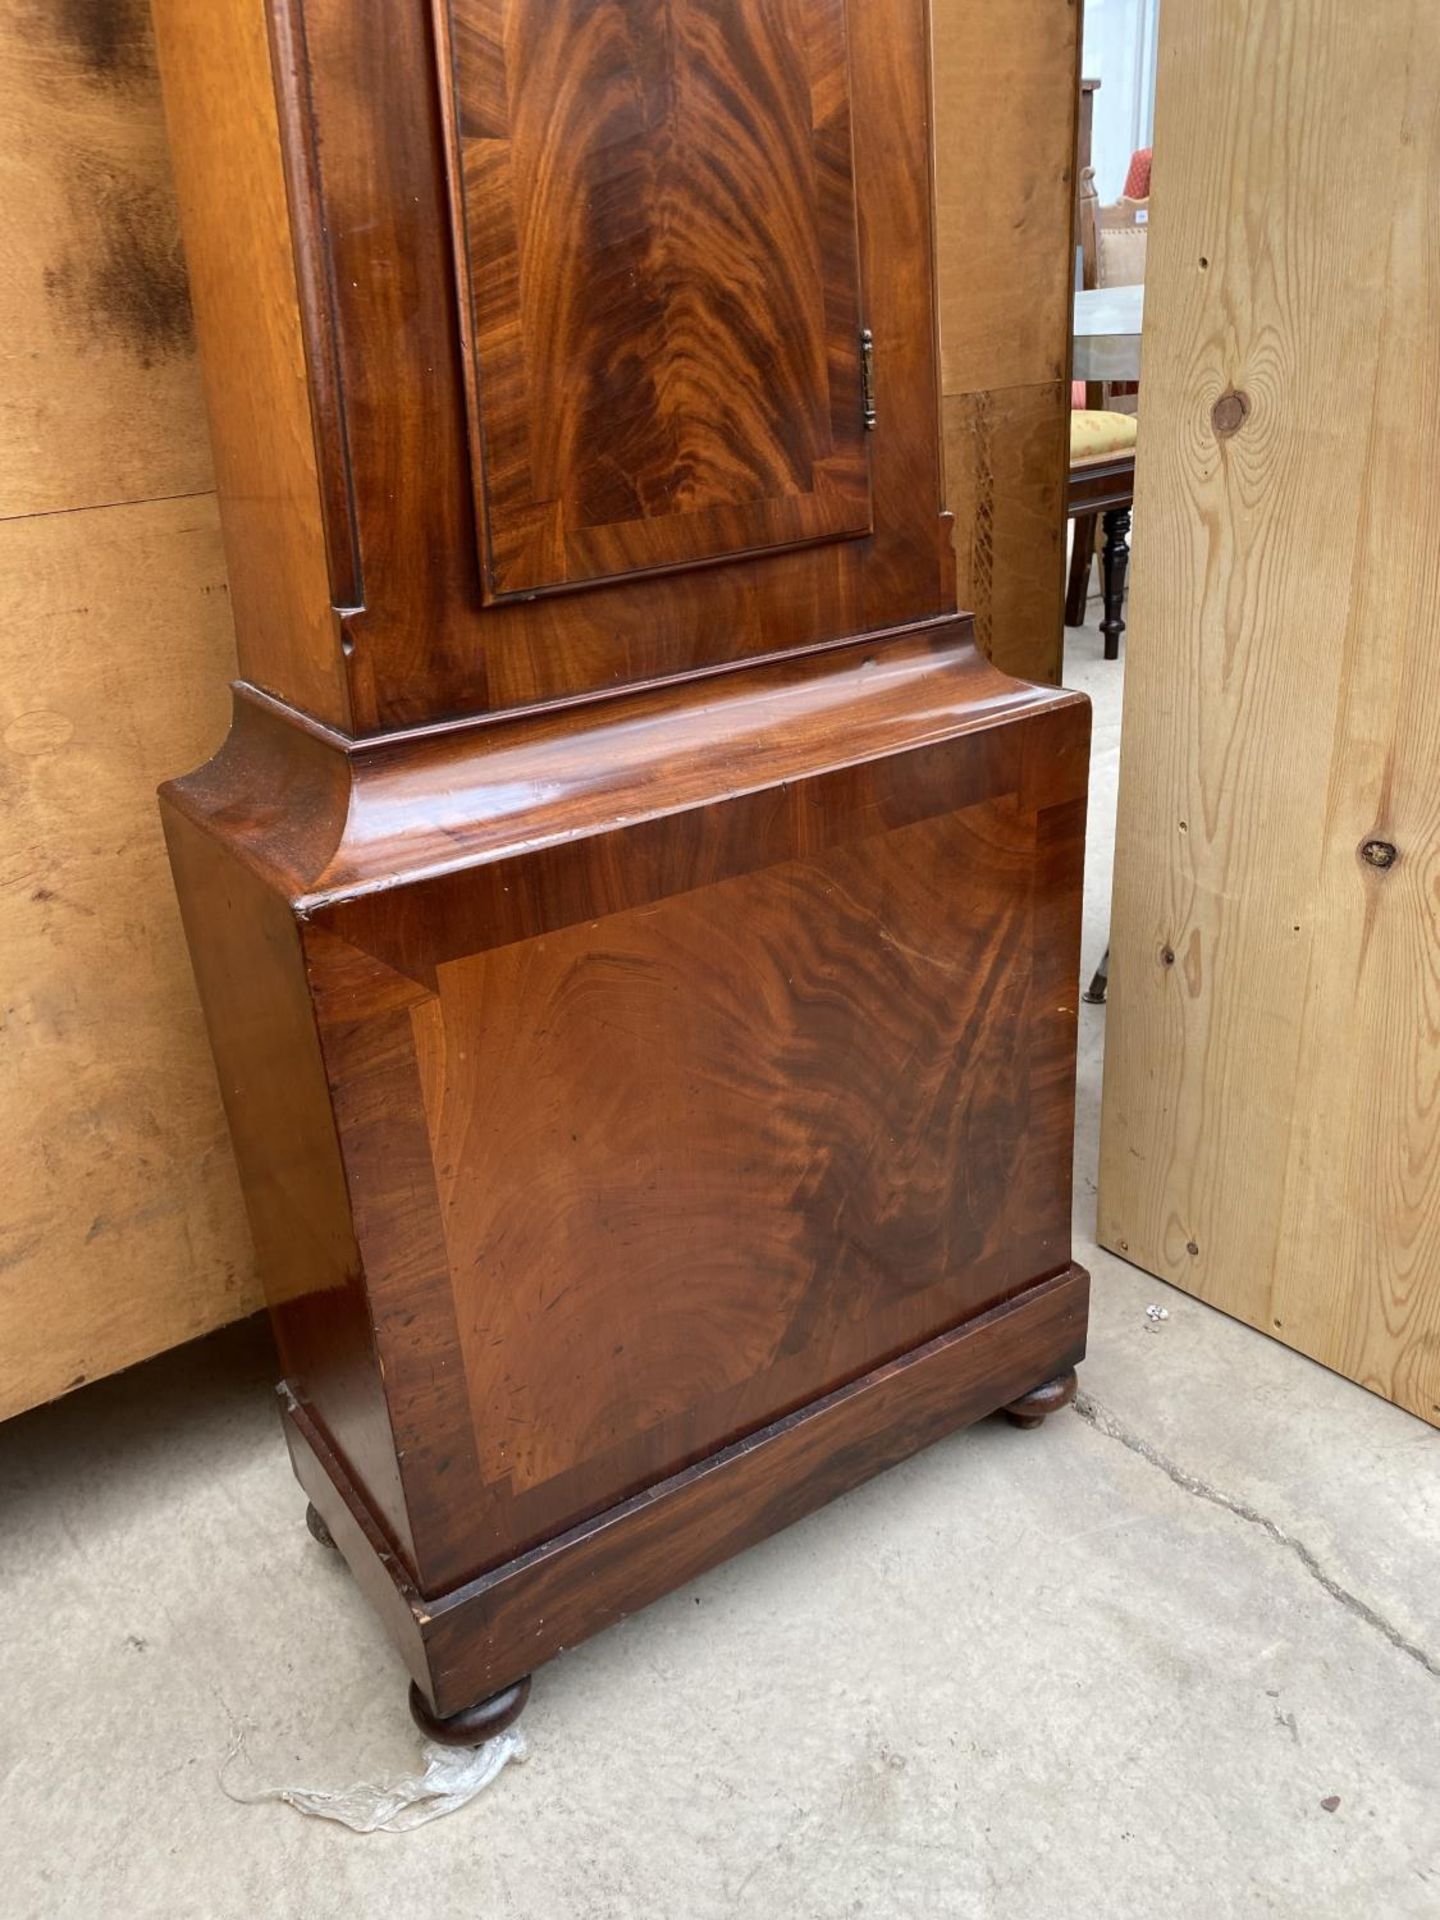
(1107, 328)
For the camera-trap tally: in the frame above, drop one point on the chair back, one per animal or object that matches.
(1121, 232)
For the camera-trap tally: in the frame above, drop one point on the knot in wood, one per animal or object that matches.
(1229, 413)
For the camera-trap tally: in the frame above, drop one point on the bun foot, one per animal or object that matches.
(318, 1529)
(1031, 1408)
(472, 1726)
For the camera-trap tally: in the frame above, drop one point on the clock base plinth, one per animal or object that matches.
(481, 1639)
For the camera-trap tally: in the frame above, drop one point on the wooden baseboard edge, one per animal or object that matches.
(484, 1635)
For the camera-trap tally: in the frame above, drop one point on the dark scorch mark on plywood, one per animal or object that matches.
(124, 282)
(117, 275)
(111, 39)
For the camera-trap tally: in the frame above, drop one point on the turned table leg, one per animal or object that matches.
(1114, 565)
(1031, 1408)
(1082, 553)
(472, 1726)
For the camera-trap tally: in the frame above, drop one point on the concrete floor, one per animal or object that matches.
(1112, 1668)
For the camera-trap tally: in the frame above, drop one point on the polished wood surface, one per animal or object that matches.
(220, 103)
(333, 820)
(1114, 567)
(1271, 1135)
(375, 306)
(474, 1640)
(529, 1053)
(1033, 1409)
(605, 1030)
(656, 207)
(246, 946)
(473, 1725)
(647, 1019)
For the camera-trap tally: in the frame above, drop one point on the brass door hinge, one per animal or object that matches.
(867, 377)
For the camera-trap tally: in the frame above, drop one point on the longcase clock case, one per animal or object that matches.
(637, 930)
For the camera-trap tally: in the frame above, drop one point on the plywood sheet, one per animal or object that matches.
(1271, 1131)
(99, 386)
(1006, 100)
(122, 1231)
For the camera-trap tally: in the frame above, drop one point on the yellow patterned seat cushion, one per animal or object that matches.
(1097, 435)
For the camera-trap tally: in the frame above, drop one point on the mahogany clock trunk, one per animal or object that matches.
(637, 930)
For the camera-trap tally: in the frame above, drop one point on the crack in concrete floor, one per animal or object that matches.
(1106, 1423)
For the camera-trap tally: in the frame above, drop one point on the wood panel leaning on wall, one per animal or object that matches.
(122, 1230)
(1271, 1133)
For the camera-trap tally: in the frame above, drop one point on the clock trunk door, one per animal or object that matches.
(657, 249)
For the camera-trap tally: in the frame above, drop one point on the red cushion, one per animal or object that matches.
(1137, 180)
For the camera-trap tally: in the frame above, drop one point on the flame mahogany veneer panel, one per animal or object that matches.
(689, 1166)
(659, 280)
(824, 105)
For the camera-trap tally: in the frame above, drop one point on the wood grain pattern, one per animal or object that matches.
(100, 396)
(247, 953)
(656, 208)
(1272, 1126)
(124, 1232)
(123, 1227)
(485, 1634)
(619, 1053)
(424, 645)
(702, 1051)
(1003, 451)
(220, 103)
(1005, 110)
(1006, 102)
(427, 805)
